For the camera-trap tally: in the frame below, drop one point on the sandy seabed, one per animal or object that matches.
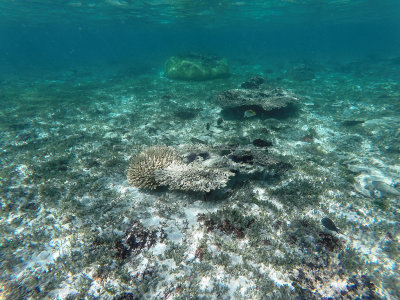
(72, 227)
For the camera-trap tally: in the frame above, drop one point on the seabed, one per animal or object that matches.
(72, 227)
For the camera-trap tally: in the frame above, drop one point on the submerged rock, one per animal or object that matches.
(253, 82)
(262, 143)
(192, 156)
(238, 101)
(242, 159)
(196, 67)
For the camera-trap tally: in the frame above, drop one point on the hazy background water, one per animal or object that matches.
(43, 35)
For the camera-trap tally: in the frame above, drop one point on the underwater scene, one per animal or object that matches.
(207, 149)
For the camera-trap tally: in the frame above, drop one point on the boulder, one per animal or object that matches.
(196, 67)
(253, 83)
(262, 102)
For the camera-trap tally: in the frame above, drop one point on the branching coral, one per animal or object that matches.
(162, 166)
(142, 167)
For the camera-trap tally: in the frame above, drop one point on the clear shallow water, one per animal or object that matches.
(83, 89)
(40, 33)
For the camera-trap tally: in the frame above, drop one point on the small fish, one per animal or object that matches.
(350, 123)
(197, 141)
(385, 188)
(328, 223)
(249, 113)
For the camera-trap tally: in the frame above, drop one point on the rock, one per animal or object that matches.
(262, 143)
(196, 67)
(253, 83)
(237, 101)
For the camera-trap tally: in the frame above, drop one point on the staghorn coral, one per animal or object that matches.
(142, 167)
(193, 177)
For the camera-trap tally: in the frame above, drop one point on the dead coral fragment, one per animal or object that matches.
(193, 177)
(142, 167)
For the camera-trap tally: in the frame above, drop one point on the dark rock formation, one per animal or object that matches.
(253, 83)
(262, 102)
(262, 143)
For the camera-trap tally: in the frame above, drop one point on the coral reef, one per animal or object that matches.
(68, 223)
(196, 67)
(141, 170)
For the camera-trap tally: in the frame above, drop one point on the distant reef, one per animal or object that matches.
(196, 67)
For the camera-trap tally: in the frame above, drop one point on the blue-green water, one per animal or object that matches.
(73, 34)
(190, 149)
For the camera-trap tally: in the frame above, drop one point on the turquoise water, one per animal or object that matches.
(199, 149)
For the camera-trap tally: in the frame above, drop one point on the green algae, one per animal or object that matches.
(196, 67)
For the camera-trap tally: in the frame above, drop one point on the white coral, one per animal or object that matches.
(142, 167)
(193, 177)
